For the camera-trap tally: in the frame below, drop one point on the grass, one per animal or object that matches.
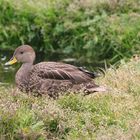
(110, 115)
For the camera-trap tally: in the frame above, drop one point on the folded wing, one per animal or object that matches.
(61, 71)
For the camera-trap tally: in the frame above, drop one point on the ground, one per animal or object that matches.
(103, 116)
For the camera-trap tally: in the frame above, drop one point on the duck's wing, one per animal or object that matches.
(60, 71)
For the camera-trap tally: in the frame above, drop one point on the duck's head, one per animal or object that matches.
(23, 54)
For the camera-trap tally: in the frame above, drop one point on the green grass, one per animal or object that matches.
(110, 115)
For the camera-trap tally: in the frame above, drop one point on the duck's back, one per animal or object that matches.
(60, 71)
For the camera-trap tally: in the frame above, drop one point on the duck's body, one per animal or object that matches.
(50, 78)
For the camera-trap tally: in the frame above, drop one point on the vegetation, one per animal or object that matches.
(90, 31)
(111, 115)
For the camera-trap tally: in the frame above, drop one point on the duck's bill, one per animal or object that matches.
(11, 61)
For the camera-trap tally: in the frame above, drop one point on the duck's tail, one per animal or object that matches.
(89, 73)
(88, 88)
(88, 91)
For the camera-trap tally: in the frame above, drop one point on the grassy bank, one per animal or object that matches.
(88, 30)
(111, 115)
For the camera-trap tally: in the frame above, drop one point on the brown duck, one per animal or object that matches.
(50, 78)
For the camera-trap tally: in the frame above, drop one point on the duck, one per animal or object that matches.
(50, 78)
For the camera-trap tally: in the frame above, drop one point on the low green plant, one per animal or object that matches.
(90, 31)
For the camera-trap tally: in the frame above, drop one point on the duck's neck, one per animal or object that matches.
(22, 74)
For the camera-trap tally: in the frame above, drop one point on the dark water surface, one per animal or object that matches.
(7, 73)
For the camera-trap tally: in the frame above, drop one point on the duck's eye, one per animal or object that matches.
(21, 52)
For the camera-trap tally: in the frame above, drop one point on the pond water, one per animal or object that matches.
(7, 73)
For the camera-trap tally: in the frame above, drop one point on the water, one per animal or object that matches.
(6, 73)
